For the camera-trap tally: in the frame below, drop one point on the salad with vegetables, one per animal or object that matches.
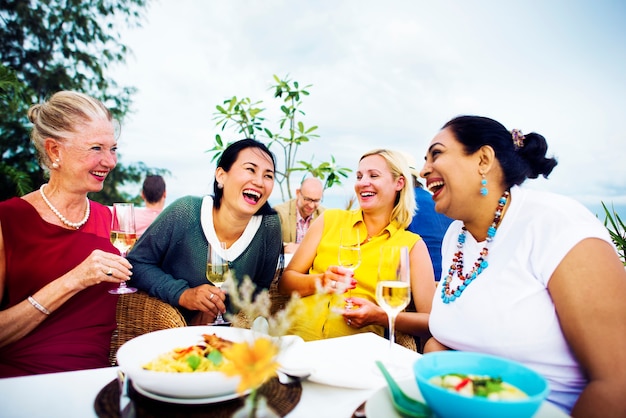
(493, 388)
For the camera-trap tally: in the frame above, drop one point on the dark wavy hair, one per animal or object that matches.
(518, 164)
(226, 161)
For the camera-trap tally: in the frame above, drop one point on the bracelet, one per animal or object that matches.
(38, 306)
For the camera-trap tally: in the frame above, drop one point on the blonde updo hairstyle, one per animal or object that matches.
(62, 115)
(404, 206)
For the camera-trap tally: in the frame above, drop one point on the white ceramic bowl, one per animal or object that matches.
(140, 350)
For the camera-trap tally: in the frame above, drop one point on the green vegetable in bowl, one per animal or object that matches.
(484, 386)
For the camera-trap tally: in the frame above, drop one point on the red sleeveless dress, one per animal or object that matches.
(78, 334)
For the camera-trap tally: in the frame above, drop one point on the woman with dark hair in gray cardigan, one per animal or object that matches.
(169, 260)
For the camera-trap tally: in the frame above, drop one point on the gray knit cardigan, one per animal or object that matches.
(170, 256)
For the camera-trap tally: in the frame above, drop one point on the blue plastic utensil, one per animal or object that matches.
(403, 403)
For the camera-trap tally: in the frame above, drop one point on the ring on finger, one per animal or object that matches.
(211, 297)
(333, 284)
(349, 322)
(110, 272)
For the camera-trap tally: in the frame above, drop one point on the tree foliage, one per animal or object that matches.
(53, 45)
(244, 116)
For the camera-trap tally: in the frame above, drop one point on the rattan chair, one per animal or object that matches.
(137, 314)
(406, 341)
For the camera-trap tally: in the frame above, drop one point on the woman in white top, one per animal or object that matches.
(530, 276)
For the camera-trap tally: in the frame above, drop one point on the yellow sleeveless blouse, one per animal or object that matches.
(320, 314)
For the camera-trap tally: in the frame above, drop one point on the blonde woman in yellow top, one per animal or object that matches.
(387, 205)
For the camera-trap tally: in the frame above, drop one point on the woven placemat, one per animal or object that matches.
(282, 398)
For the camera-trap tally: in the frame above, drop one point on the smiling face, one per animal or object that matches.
(376, 186)
(85, 157)
(249, 182)
(309, 196)
(451, 175)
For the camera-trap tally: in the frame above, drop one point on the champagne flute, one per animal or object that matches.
(123, 237)
(393, 290)
(216, 269)
(349, 254)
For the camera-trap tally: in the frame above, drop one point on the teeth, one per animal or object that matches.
(434, 185)
(367, 194)
(253, 193)
(99, 173)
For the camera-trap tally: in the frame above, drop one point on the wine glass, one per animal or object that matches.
(349, 254)
(216, 269)
(393, 290)
(123, 237)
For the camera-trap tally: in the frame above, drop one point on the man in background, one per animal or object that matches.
(430, 225)
(153, 193)
(297, 214)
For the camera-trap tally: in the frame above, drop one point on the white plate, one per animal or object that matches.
(350, 365)
(187, 401)
(380, 406)
(140, 350)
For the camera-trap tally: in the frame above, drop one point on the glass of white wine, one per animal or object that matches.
(349, 254)
(123, 237)
(393, 289)
(216, 269)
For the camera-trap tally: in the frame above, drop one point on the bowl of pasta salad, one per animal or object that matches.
(182, 362)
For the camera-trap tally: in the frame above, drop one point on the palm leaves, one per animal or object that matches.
(617, 230)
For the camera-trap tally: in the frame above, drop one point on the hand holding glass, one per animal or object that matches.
(216, 269)
(349, 254)
(123, 237)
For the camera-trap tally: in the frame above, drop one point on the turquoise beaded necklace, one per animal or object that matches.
(447, 295)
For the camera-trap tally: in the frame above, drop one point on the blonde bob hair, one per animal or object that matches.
(61, 116)
(404, 205)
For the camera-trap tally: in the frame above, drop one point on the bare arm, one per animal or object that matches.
(21, 319)
(589, 292)
(296, 277)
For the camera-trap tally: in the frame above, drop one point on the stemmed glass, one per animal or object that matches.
(393, 290)
(123, 237)
(216, 269)
(349, 254)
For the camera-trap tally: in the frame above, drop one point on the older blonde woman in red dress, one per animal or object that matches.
(56, 259)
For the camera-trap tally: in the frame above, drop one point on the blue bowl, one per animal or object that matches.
(448, 404)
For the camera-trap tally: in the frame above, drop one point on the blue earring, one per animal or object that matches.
(483, 189)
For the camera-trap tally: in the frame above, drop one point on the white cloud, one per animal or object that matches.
(385, 74)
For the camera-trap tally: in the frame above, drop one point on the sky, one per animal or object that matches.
(383, 74)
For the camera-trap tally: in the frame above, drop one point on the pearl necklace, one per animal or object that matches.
(447, 295)
(63, 219)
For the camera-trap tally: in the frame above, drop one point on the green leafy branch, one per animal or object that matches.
(244, 117)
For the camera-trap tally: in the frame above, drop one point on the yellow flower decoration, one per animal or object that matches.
(254, 362)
